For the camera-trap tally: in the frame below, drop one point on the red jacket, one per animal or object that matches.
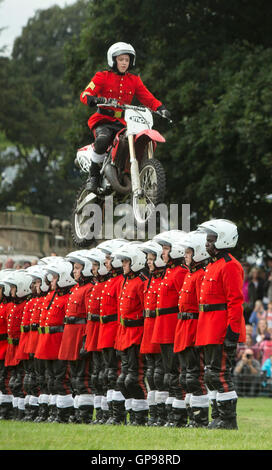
(185, 333)
(34, 322)
(73, 333)
(150, 303)
(25, 329)
(109, 84)
(14, 316)
(130, 307)
(222, 284)
(51, 316)
(109, 307)
(3, 329)
(168, 295)
(93, 316)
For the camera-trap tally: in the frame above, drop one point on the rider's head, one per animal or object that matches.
(121, 57)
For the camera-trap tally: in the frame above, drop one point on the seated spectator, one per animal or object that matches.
(262, 331)
(9, 264)
(267, 377)
(249, 344)
(269, 315)
(255, 286)
(257, 314)
(247, 374)
(265, 347)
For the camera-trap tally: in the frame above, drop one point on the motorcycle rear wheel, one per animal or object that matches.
(153, 185)
(82, 221)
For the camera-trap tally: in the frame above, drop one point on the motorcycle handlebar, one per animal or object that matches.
(115, 104)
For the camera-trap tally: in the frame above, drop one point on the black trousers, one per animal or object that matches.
(80, 376)
(131, 379)
(191, 362)
(16, 380)
(154, 372)
(58, 380)
(218, 367)
(110, 361)
(104, 135)
(4, 377)
(171, 372)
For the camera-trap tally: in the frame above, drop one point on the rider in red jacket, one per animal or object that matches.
(115, 83)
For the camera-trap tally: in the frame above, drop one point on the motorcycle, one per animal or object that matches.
(129, 170)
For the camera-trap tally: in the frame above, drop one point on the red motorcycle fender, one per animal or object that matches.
(152, 134)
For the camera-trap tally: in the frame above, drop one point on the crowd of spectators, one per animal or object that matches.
(252, 369)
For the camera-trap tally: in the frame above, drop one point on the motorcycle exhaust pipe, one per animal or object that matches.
(110, 172)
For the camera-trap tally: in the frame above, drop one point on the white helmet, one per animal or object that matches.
(197, 241)
(99, 257)
(151, 246)
(3, 275)
(49, 259)
(121, 48)
(174, 239)
(64, 271)
(110, 246)
(39, 272)
(132, 252)
(22, 280)
(79, 257)
(226, 231)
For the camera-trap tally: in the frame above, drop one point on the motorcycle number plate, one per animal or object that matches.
(137, 121)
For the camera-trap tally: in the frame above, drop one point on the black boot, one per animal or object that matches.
(131, 420)
(179, 418)
(6, 410)
(93, 178)
(190, 416)
(214, 415)
(141, 418)
(227, 414)
(110, 418)
(43, 413)
(63, 414)
(119, 412)
(201, 417)
(153, 415)
(169, 414)
(52, 413)
(105, 417)
(162, 414)
(86, 414)
(98, 415)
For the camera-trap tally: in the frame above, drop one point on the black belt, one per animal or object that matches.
(93, 317)
(74, 320)
(165, 311)
(14, 341)
(108, 318)
(25, 328)
(51, 329)
(3, 337)
(149, 313)
(188, 316)
(212, 307)
(111, 112)
(128, 322)
(34, 327)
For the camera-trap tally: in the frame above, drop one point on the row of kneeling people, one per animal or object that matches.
(142, 333)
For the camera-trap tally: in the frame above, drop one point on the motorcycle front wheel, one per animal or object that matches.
(85, 226)
(153, 185)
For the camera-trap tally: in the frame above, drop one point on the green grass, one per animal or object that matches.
(254, 433)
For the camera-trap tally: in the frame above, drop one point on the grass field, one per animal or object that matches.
(254, 433)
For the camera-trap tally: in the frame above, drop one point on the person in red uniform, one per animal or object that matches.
(100, 276)
(191, 358)
(81, 405)
(130, 383)
(109, 323)
(221, 322)
(116, 83)
(20, 289)
(50, 334)
(154, 373)
(167, 317)
(37, 379)
(5, 396)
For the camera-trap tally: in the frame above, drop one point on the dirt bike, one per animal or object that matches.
(129, 169)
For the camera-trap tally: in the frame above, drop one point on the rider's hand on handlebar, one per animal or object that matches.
(94, 100)
(164, 112)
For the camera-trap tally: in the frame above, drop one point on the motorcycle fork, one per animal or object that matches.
(134, 166)
(150, 150)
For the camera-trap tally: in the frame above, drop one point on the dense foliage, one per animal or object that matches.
(209, 61)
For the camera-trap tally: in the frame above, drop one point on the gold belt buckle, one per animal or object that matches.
(157, 312)
(118, 114)
(201, 307)
(46, 329)
(101, 319)
(122, 321)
